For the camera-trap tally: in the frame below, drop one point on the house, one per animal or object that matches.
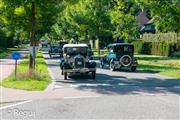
(146, 24)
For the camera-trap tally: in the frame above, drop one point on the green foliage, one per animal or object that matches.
(170, 37)
(164, 44)
(153, 48)
(16, 17)
(138, 44)
(167, 12)
(2, 40)
(77, 20)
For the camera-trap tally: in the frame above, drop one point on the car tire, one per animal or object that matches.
(133, 68)
(62, 72)
(65, 76)
(50, 55)
(101, 65)
(94, 75)
(111, 66)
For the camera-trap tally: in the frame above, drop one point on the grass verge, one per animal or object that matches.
(25, 80)
(169, 66)
(6, 52)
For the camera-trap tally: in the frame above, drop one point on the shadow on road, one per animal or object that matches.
(117, 84)
(106, 84)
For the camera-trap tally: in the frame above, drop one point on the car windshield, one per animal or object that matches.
(124, 49)
(76, 50)
(55, 47)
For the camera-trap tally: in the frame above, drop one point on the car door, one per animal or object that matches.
(111, 54)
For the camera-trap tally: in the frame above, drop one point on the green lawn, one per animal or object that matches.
(159, 64)
(25, 81)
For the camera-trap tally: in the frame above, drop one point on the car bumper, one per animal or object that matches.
(79, 70)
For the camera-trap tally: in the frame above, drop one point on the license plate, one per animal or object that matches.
(79, 63)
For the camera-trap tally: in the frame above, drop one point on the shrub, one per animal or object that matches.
(137, 46)
(163, 44)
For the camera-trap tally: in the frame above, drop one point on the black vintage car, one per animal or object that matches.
(54, 50)
(76, 61)
(61, 44)
(120, 55)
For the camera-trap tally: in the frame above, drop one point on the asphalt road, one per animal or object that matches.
(117, 95)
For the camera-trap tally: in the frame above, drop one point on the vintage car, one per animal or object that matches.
(76, 61)
(54, 50)
(61, 44)
(120, 55)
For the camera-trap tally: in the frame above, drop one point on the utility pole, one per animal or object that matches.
(32, 36)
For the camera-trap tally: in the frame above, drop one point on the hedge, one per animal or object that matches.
(164, 44)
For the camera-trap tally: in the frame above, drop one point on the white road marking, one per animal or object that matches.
(20, 103)
(90, 85)
(71, 85)
(79, 97)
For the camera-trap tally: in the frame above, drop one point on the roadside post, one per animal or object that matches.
(16, 56)
(33, 51)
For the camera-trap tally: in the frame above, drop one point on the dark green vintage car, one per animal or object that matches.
(120, 55)
(54, 50)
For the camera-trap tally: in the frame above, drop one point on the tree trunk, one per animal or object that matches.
(32, 34)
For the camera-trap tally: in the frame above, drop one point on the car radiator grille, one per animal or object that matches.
(79, 63)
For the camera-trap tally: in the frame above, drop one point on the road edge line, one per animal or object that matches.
(5, 107)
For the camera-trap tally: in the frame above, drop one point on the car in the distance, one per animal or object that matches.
(54, 50)
(61, 44)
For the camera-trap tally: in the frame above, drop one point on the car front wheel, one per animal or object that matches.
(102, 65)
(50, 55)
(65, 76)
(94, 75)
(112, 66)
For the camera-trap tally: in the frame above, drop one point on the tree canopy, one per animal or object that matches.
(78, 20)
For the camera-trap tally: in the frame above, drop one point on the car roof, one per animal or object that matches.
(118, 44)
(75, 45)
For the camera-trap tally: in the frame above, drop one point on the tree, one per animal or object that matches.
(85, 19)
(30, 13)
(124, 20)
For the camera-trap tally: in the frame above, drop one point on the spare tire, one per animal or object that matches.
(125, 60)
